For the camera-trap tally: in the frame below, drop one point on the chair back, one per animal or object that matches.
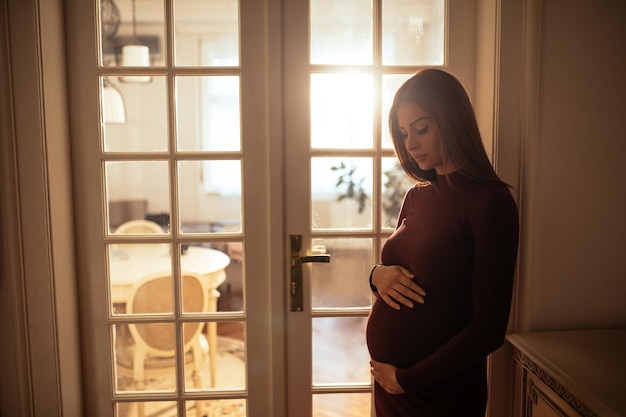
(138, 227)
(154, 295)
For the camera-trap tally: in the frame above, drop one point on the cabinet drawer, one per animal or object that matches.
(541, 401)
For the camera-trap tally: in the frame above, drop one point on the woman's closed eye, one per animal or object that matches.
(422, 130)
(417, 131)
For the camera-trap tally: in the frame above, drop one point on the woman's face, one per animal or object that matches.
(421, 138)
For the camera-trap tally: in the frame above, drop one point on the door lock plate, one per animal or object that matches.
(295, 284)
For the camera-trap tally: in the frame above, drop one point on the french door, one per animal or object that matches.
(343, 62)
(252, 133)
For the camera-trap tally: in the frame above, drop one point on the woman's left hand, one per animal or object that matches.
(385, 375)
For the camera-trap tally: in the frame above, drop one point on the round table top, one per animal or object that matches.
(129, 266)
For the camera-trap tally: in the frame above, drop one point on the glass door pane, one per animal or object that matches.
(132, 34)
(341, 110)
(341, 32)
(413, 32)
(216, 24)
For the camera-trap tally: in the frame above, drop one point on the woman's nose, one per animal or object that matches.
(411, 142)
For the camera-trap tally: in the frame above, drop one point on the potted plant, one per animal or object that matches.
(349, 187)
(394, 188)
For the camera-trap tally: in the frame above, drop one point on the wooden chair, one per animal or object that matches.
(153, 295)
(138, 227)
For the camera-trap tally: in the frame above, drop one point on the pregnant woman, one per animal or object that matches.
(443, 287)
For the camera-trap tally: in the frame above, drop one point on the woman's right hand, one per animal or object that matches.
(395, 285)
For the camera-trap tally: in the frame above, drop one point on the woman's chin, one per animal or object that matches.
(424, 166)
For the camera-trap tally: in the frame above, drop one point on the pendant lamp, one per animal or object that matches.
(135, 55)
(113, 111)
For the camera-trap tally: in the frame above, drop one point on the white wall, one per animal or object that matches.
(577, 274)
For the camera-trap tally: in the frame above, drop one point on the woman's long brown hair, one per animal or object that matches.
(445, 99)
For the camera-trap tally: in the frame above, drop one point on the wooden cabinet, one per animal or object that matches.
(570, 373)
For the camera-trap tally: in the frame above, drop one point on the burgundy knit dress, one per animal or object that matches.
(461, 245)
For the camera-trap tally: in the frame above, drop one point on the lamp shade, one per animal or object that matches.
(136, 56)
(112, 105)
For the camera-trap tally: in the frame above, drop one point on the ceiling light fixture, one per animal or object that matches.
(135, 55)
(113, 110)
(109, 18)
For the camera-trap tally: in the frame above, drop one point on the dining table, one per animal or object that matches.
(130, 264)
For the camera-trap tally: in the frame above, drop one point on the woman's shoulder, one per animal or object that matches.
(489, 190)
(490, 186)
(491, 198)
(419, 190)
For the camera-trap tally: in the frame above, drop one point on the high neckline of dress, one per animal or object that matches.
(456, 177)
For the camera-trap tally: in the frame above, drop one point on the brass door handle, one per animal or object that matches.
(295, 285)
(313, 258)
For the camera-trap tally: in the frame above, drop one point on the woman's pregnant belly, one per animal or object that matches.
(406, 336)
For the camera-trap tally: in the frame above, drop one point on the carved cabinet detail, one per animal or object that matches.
(575, 373)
